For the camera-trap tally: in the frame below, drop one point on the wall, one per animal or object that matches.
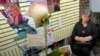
(94, 5)
(69, 15)
(8, 46)
(84, 4)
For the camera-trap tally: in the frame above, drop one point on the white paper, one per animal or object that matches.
(59, 22)
(50, 35)
(31, 21)
(43, 52)
(28, 3)
(23, 0)
(2, 17)
(40, 30)
(13, 1)
(50, 23)
(35, 40)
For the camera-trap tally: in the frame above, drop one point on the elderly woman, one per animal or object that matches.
(83, 35)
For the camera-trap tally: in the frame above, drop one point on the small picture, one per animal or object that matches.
(53, 5)
(66, 48)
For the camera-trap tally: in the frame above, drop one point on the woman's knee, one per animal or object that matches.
(75, 49)
(86, 51)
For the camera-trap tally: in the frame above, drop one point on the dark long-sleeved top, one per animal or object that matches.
(81, 31)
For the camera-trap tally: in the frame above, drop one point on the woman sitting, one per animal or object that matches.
(83, 35)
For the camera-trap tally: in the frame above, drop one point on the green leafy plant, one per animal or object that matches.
(45, 23)
(57, 51)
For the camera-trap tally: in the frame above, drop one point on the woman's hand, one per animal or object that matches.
(80, 39)
(77, 38)
(83, 39)
(88, 38)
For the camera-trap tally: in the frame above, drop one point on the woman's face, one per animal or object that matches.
(85, 18)
(14, 10)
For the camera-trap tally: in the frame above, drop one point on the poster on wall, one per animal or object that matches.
(19, 23)
(53, 5)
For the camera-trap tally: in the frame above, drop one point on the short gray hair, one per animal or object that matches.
(87, 12)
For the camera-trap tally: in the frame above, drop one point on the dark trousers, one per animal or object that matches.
(81, 50)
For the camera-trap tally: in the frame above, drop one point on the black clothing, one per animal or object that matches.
(98, 28)
(80, 48)
(56, 8)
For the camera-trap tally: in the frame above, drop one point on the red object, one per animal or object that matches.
(3, 1)
(66, 54)
(54, 44)
(53, 1)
